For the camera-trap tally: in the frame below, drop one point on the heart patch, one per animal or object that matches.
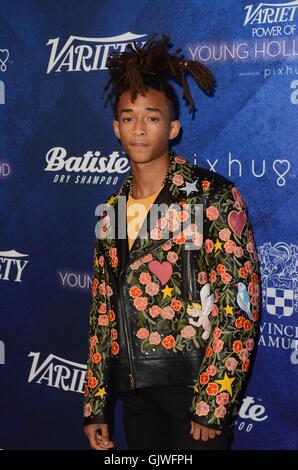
(163, 271)
(237, 221)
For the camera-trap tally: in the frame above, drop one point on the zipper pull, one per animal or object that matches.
(132, 381)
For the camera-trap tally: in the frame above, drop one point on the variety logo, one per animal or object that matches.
(267, 20)
(87, 54)
(85, 169)
(57, 372)
(12, 265)
(268, 13)
(272, 19)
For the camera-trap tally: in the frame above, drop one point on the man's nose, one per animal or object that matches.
(139, 128)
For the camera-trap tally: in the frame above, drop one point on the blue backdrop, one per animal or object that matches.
(53, 125)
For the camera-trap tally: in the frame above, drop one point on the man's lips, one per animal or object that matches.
(139, 144)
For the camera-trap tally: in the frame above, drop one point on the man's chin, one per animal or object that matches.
(140, 157)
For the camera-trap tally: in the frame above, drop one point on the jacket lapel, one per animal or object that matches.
(170, 194)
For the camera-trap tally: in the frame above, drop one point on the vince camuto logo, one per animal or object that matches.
(86, 53)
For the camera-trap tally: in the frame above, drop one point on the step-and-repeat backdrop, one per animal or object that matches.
(59, 159)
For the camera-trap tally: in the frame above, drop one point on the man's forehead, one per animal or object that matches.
(151, 99)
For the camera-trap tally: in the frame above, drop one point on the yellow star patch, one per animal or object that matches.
(217, 245)
(167, 291)
(101, 392)
(226, 384)
(229, 310)
(111, 200)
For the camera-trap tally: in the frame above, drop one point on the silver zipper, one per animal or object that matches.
(132, 380)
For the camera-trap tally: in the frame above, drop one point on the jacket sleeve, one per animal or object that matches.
(96, 392)
(232, 267)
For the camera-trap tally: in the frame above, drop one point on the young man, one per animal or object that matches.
(174, 312)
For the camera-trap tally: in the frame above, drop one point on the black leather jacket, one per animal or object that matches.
(164, 315)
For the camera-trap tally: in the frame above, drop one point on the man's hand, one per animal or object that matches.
(98, 436)
(202, 432)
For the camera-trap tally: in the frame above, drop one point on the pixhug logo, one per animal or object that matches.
(4, 56)
(234, 168)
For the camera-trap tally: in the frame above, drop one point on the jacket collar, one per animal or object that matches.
(170, 194)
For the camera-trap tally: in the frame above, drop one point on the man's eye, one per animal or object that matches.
(126, 119)
(153, 118)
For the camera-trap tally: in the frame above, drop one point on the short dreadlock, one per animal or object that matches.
(151, 66)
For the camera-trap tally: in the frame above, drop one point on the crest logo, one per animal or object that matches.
(280, 296)
(280, 278)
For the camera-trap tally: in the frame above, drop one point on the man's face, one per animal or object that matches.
(145, 127)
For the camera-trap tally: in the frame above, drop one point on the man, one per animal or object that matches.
(174, 312)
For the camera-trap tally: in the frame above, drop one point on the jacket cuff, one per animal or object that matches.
(225, 426)
(204, 422)
(99, 419)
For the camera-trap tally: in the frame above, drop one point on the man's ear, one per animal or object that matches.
(116, 128)
(175, 129)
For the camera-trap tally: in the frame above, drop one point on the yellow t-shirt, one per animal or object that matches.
(136, 213)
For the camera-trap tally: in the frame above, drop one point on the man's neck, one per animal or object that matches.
(148, 177)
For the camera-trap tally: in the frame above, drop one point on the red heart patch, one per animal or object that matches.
(163, 271)
(237, 221)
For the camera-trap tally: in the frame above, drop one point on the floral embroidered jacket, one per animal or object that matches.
(163, 314)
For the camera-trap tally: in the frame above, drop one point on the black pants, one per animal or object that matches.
(159, 419)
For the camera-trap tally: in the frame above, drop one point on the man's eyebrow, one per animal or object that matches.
(155, 110)
(129, 110)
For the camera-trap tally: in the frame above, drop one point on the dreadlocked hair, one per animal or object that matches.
(151, 66)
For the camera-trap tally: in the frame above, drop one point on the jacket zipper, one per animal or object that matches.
(191, 294)
(132, 381)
